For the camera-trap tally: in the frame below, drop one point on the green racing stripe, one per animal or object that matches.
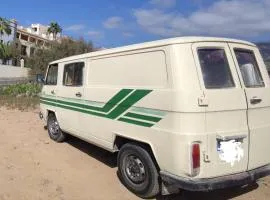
(115, 108)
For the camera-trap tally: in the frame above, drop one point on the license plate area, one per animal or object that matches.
(230, 151)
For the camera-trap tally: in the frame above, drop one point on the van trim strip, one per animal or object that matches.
(125, 99)
(143, 117)
(106, 108)
(131, 121)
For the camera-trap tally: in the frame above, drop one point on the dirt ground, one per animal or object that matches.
(34, 167)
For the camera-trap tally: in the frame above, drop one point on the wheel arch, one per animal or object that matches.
(48, 111)
(120, 140)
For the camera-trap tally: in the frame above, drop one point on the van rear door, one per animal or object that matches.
(255, 81)
(225, 104)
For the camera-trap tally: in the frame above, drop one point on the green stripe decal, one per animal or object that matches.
(135, 122)
(115, 108)
(148, 111)
(107, 107)
(143, 117)
(128, 102)
(116, 99)
(72, 108)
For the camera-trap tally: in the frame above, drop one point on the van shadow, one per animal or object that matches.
(110, 159)
(106, 157)
(223, 194)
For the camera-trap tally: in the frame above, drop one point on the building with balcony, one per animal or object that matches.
(29, 42)
(35, 36)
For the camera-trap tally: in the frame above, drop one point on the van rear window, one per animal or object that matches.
(249, 68)
(215, 68)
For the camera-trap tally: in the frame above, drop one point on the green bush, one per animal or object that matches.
(27, 89)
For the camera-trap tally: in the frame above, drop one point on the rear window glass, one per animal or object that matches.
(215, 69)
(73, 74)
(52, 74)
(249, 68)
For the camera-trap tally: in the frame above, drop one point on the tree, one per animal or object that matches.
(5, 52)
(4, 27)
(56, 50)
(11, 51)
(15, 50)
(54, 28)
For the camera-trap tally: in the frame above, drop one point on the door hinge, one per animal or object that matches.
(202, 101)
(206, 157)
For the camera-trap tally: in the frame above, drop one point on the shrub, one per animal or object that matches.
(27, 89)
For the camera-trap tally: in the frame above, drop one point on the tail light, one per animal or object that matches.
(195, 159)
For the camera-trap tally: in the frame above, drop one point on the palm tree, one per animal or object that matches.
(4, 27)
(54, 28)
(5, 52)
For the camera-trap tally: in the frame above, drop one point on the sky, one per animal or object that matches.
(111, 23)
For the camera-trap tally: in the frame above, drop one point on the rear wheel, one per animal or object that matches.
(54, 129)
(137, 171)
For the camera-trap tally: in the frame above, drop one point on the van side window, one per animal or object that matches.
(249, 68)
(73, 74)
(215, 68)
(52, 75)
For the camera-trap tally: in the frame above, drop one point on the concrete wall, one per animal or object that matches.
(7, 71)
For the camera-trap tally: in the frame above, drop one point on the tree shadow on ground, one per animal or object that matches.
(110, 159)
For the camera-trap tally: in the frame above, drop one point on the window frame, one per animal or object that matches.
(244, 50)
(65, 69)
(229, 67)
(52, 65)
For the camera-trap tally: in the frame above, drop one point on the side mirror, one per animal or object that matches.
(40, 79)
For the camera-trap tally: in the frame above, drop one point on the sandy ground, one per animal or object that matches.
(34, 167)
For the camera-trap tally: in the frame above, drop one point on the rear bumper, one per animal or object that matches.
(239, 179)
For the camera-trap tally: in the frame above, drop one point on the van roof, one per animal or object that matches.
(157, 43)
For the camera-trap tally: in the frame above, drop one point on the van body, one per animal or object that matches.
(194, 110)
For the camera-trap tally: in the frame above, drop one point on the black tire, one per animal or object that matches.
(54, 129)
(144, 185)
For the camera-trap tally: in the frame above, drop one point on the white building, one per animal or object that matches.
(35, 36)
(41, 30)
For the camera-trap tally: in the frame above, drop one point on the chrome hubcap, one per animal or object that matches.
(135, 169)
(54, 127)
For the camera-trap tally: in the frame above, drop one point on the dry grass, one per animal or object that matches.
(20, 103)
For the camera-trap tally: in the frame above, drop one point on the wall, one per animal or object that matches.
(7, 71)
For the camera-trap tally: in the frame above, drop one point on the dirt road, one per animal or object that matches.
(34, 167)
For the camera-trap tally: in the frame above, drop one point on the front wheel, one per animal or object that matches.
(54, 130)
(137, 171)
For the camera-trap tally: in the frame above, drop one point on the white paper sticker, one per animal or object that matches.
(230, 151)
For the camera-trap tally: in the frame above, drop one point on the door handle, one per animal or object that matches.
(52, 92)
(78, 94)
(255, 100)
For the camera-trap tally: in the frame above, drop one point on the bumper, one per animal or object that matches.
(239, 179)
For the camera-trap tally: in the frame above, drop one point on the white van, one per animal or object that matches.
(190, 112)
